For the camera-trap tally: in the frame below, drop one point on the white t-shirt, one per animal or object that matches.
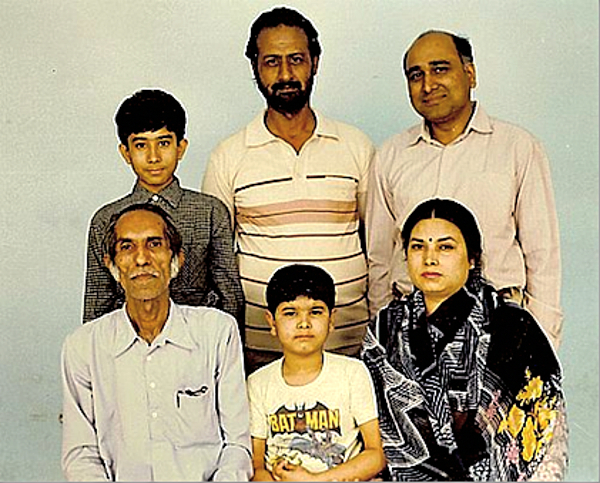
(315, 425)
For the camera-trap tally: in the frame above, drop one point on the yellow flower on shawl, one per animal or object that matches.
(532, 391)
(513, 422)
(530, 442)
(545, 415)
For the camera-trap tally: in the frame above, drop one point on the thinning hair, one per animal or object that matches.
(462, 44)
(109, 243)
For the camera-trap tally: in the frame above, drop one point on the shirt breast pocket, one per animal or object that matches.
(336, 187)
(197, 420)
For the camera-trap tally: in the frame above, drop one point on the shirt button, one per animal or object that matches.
(155, 198)
(155, 415)
(149, 358)
(152, 385)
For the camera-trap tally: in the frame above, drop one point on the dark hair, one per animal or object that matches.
(172, 235)
(454, 212)
(292, 281)
(282, 16)
(150, 110)
(462, 44)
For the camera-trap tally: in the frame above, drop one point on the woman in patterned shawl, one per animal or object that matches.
(468, 384)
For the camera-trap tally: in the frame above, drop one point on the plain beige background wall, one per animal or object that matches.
(67, 64)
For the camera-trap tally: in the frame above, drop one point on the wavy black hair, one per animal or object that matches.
(282, 16)
(150, 110)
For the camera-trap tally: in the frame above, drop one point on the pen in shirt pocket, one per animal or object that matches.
(190, 393)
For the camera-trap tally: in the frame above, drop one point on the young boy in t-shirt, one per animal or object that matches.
(312, 413)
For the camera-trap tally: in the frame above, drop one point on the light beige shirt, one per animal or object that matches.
(174, 410)
(502, 174)
(290, 207)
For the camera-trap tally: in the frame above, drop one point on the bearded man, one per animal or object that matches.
(295, 183)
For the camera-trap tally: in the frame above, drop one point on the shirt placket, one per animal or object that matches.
(446, 172)
(298, 161)
(154, 413)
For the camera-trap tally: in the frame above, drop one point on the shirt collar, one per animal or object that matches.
(479, 122)
(175, 331)
(172, 194)
(257, 133)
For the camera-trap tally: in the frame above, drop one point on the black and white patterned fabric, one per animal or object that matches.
(471, 392)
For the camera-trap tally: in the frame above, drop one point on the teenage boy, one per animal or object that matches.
(310, 409)
(151, 127)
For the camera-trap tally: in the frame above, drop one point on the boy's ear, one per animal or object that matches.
(124, 151)
(332, 317)
(271, 321)
(181, 148)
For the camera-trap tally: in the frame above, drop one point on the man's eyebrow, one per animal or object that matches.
(279, 56)
(439, 62)
(155, 238)
(415, 68)
(148, 239)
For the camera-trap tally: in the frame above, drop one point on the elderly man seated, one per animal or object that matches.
(148, 388)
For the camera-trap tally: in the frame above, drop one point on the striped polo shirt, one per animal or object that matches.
(293, 207)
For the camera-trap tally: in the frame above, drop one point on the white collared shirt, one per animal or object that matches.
(172, 410)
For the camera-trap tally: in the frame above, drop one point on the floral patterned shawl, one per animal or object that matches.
(472, 392)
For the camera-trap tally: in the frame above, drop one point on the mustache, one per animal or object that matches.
(278, 86)
(138, 273)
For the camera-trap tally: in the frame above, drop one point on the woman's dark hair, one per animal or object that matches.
(150, 110)
(454, 212)
(293, 281)
(282, 16)
(171, 233)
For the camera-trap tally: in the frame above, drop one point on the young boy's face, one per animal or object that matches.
(302, 325)
(154, 156)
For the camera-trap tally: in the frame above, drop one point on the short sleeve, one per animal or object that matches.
(362, 396)
(258, 416)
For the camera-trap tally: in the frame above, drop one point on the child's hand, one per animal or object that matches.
(285, 471)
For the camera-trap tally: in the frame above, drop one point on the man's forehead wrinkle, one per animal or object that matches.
(269, 43)
(128, 227)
